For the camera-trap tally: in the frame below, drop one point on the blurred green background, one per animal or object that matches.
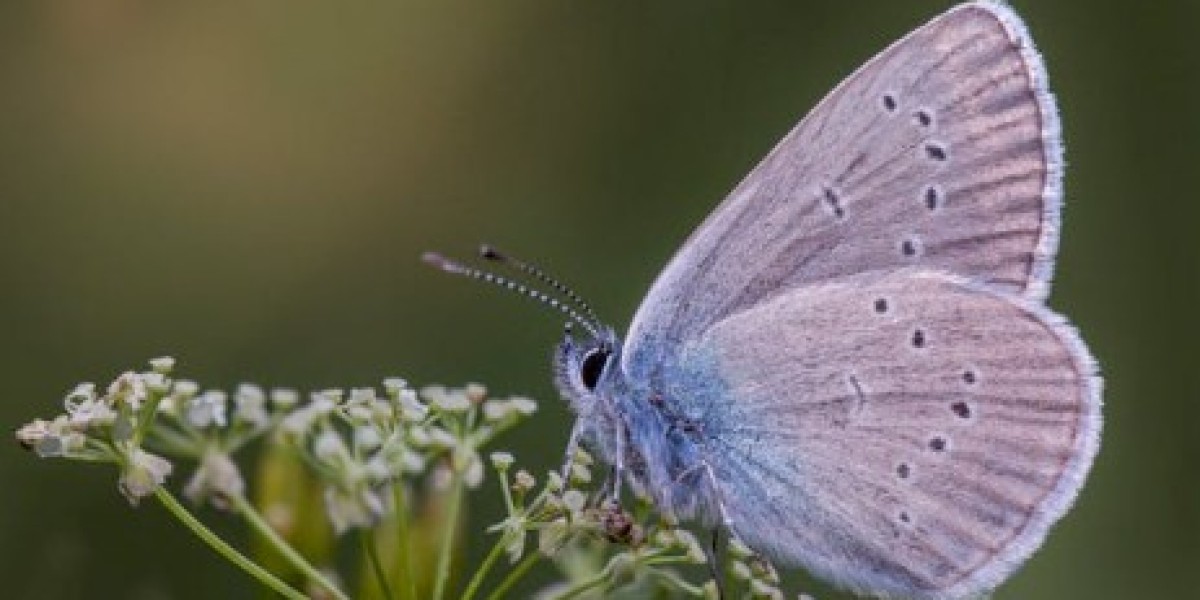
(247, 187)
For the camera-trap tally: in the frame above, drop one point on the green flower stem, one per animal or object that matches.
(146, 417)
(667, 560)
(677, 581)
(480, 573)
(606, 573)
(167, 439)
(515, 575)
(586, 585)
(260, 525)
(404, 570)
(502, 475)
(451, 528)
(225, 550)
(368, 542)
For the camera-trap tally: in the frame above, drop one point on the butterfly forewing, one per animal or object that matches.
(922, 449)
(941, 152)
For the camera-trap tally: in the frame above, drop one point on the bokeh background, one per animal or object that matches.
(247, 187)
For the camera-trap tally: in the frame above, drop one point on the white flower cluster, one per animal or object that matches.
(109, 427)
(358, 443)
(364, 448)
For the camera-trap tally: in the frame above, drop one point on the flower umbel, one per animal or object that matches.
(367, 452)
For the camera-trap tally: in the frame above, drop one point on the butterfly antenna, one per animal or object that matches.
(455, 268)
(492, 254)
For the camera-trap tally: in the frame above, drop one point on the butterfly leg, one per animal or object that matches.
(618, 471)
(714, 563)
(569, 454)
(717, 500)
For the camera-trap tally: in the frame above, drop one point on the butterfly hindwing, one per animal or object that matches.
(907, 432)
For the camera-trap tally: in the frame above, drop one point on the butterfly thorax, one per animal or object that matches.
(636, 427)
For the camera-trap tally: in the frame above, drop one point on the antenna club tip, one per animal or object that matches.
(438, 261)
(490, 252)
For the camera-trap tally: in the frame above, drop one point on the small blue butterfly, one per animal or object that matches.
(849, 365)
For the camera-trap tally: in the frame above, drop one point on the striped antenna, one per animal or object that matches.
(455, 268)
(494, 255)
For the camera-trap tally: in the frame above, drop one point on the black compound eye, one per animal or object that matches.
(593, 367)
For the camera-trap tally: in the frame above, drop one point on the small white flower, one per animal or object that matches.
(516, 546)
(411, 409)
(329, 446)
(739, 549)
(394, 385)
(554, 481)
(185, 388)
(419, 436)
(216, 478)
(761, 589)
(206, 410)
(284, 398)
(638, 490)
(359, 413)
(367, 437)
(82, 394)
(574, 500)
(583, 457)
(429, 392)
(31, 434)
(382, 412)
(473, 474)
(378, 470)
(695, 552)
(87, 411)
(51, 439)
(742, 571)
(143, 473)
(523, 405)
(666, 538)
(333, 396)
(129, 389)
(765, 571)
(162, 365)
(249, 391)
(622, 566)
(362, 395)
(361, 508)
(523, 481)
(552, 536)
(56, 445)
(156, 382)
(475, 392)
(502, 460)
(497, 410)
(324, 403)
(297, 423)
(441, 438)
(580, 474)
(361, 405)
(453, 401)
(412, 462)
(251, 406)
(169, 405)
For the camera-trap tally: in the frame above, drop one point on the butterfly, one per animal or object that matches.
(849, 365)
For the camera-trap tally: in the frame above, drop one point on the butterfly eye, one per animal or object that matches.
(593, 367)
